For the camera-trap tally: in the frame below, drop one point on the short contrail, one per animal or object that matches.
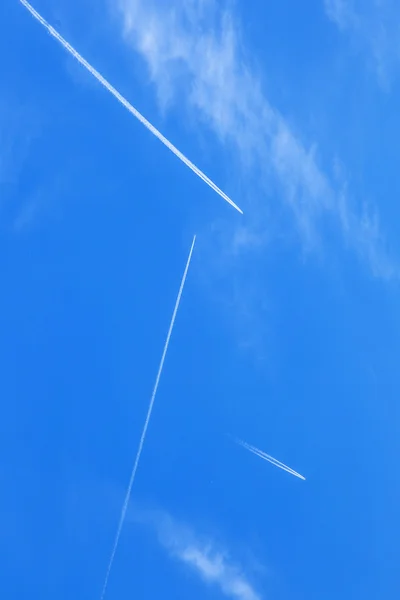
(127, 105)
(146, 424)
(269, 458)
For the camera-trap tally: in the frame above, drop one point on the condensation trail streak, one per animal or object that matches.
(146, 423)
(271, 459)
(127, 105)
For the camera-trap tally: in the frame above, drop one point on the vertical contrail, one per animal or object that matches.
(127, 105)
(146, 424)
(271, 459)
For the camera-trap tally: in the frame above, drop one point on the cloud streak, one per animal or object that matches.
(213, 565)
(374, 26)
(146, 424)
(271, 459)
(127, 105)
(196, 59)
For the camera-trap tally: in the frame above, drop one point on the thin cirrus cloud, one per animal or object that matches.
(200, 554)
(374, 27)
(194, 55)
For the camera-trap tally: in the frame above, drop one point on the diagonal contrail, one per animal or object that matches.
(271, 459)
(127, 104)
(275, 462)
(146, 424)
(268, 457)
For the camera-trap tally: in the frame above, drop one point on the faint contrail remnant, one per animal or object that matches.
(127, 104)
(146, 423)
(269, 458)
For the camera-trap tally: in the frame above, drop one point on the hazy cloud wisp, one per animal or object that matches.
(195, 59)
(212, 564)
(374, 26)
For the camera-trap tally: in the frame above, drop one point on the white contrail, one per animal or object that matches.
(275, 462)
(269, 458)
(127, 105)
(146, 424)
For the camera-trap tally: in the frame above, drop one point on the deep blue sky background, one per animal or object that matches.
(287, 341)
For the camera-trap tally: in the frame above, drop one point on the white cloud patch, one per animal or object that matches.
(212, 564)
(196, 59)
(374, 26)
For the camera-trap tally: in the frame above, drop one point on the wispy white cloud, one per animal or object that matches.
(374, 26)
(213, 567)
(213, 564)
(196, 59)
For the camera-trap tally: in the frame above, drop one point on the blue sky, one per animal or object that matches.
(288, 333)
